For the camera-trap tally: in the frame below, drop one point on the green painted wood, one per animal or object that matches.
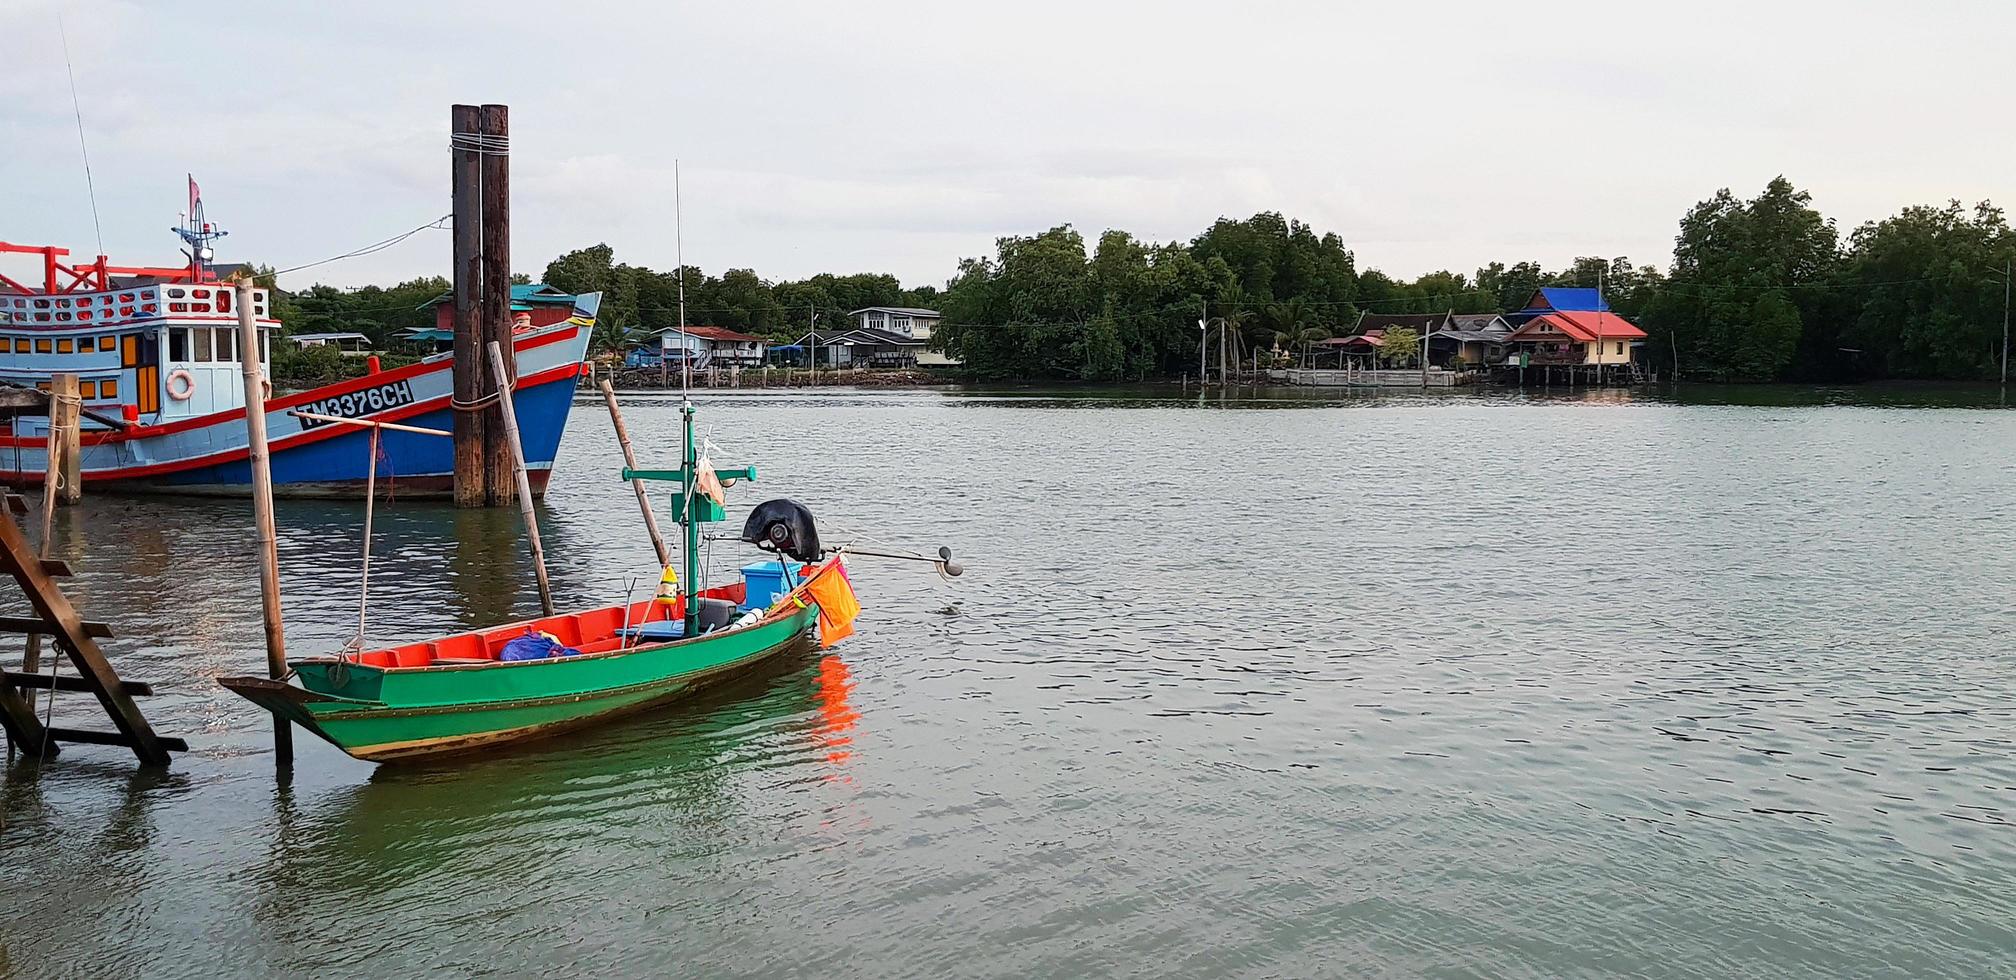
(380, 714)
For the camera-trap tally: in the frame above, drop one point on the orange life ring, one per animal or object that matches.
(188, 384)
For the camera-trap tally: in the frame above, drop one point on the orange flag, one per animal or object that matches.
(837, 604)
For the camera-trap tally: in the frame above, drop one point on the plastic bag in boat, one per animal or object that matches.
(534, 645)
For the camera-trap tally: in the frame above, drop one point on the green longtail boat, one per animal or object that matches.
(463, 692)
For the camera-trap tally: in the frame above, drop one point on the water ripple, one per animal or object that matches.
(1518, 685)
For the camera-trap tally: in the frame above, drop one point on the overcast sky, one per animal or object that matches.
(898, 137)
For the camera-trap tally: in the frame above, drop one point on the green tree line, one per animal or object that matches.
(1759, 289)
(637, 299)
(1764, 288)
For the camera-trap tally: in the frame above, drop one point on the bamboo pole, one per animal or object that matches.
(262, 510)
(510, 415)
(630, 463)
(369, 424)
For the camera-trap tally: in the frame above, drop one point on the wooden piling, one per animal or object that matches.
(66, 431)
(62, 389)
(56, 616)
(262, 511)
(465, 175)
(510, 417)
(496, 184)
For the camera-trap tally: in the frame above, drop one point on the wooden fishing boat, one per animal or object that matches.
(537, 677)
(161, 376)
(453, 694)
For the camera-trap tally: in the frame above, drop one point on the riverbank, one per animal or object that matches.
(647, 379)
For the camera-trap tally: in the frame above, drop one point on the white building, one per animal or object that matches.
(348, 343)
(909, 322)
(712, 346)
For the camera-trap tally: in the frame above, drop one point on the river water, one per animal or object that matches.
(1282, 685)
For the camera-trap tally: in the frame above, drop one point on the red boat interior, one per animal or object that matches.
(592, 631)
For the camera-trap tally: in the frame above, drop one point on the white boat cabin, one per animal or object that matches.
(168, 350)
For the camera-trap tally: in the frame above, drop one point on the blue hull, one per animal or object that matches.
(409, 464)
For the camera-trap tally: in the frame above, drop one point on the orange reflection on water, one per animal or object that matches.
(836, 716)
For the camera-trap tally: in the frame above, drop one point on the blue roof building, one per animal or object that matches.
(1563, 299)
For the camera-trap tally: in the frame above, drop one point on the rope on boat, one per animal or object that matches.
(484, 402)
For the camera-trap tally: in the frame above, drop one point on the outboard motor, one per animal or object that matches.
(783, 526)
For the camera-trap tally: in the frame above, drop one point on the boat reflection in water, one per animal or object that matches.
(708, 773)
(836, 717)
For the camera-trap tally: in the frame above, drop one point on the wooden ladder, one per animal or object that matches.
(56, 617)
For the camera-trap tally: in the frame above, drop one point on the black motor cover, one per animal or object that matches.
(783, 525)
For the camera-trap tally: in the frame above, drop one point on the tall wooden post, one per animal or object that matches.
(66, 438)
(61, 476)
(465, 173)
(517, 450)
(262, 510)
(496, 183)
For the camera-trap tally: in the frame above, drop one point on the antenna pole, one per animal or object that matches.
(685, 351)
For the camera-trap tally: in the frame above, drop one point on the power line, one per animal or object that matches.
(77, 107)
(379, 246)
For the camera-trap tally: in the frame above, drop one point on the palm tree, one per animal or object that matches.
(1294, 324)
(1289, 318)
(611, 337)
(1232, 321)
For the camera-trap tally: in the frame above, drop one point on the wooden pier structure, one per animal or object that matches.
(55, 616)
(1353, 377)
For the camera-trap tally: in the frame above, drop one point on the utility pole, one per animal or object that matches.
(465, 127)
(496, 185)
(1223, 323)
(2009, 266)
(812, 347)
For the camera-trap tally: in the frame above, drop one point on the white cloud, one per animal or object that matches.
(900, 136)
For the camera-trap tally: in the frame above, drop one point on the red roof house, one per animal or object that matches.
(1576, 337)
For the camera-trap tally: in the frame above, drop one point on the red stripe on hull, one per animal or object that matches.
(565, 372)
(97, 437)
(441, 487)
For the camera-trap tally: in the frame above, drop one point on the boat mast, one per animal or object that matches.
(198, 233)
(689, 464)
(690, 468)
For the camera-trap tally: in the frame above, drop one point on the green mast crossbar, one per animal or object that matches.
(699, 509)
